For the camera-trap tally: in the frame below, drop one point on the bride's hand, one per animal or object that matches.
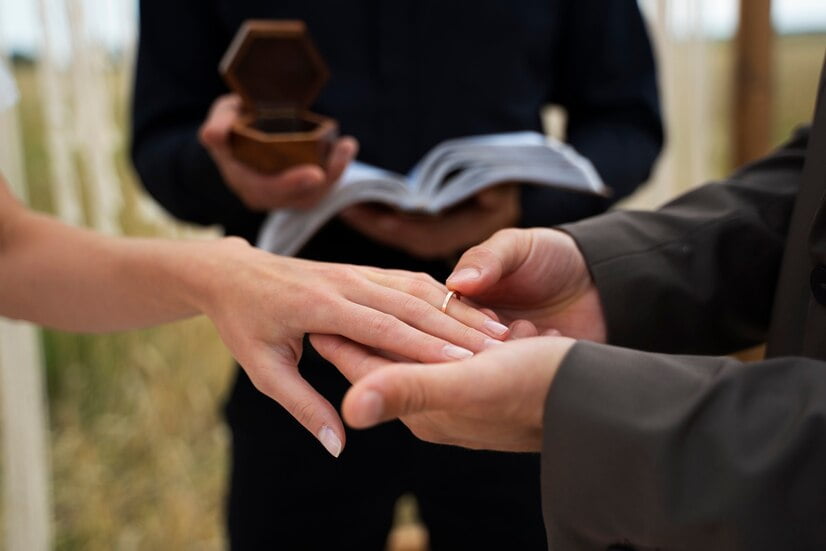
(263, 305)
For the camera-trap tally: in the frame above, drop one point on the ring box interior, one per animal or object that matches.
(275, 68)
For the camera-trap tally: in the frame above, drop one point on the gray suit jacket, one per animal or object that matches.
(653, 448)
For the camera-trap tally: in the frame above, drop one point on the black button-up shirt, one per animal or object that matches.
(407, 74)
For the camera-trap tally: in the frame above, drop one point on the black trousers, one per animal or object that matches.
(288, 493)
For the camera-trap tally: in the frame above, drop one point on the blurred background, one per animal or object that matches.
(115, 442)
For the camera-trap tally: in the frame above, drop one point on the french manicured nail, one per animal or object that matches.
(465, 274)
(371, 405)
(329, 440)
(492, 342)
(495, 327)
(456, 352)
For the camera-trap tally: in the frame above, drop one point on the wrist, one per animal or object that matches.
(202, 270)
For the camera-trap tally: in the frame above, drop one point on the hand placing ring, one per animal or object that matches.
(446, 301)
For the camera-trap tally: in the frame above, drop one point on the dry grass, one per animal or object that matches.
(138, 449)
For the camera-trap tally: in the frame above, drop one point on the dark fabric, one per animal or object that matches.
(406, 75)
(684, 452)
(704, 267)
(695, 452)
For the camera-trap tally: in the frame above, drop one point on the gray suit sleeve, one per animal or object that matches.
(697, 276)
(684, 452)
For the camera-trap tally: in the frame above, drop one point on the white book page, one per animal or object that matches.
(286, 230)
(429, 174)
(552, 163)
(452, 172)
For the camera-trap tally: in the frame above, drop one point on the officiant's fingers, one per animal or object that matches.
(278, 378)
(434, 294)
(385, 331)
(352, 359)
(344, 151)
(223, 113)
(298, 187)
(491, 198)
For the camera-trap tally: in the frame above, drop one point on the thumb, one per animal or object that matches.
(276, 375)
(214, 132)
(484, 265)
(404, 389)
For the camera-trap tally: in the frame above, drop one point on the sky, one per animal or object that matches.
(114, 20)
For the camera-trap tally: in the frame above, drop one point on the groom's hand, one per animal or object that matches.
(538, 275)
(494, 400)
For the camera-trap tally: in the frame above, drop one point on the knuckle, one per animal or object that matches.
(427, 278)
(381, 324)
(264, 385)
(304, 412)
(347, 275)
(235, 241)
(415, 398)
(418, 288)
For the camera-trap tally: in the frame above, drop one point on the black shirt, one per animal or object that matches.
(407, 74)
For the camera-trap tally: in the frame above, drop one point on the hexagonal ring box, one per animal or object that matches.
(275, 68)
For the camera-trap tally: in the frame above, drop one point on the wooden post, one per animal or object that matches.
(752, 101)
(26, 483)
(26, 495)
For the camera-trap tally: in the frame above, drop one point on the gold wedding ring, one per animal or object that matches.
(446, 301)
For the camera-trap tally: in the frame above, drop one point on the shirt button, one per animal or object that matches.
(818, 281)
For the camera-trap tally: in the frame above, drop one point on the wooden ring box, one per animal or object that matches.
(275, 68)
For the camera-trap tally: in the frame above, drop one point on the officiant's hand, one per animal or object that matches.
(435, 237)
(299, 187)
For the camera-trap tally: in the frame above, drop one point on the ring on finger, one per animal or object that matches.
(446, 301)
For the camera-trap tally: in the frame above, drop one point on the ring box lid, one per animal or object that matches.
(274, 66)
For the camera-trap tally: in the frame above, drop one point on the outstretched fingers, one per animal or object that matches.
(384, 390)
(352, 359)
(276, 375)
(427, 304)
(385, 331)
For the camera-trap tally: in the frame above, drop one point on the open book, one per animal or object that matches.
(450, 173)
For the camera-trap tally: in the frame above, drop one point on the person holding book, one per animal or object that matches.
(406, 75)
(261, 304)
(649, 440)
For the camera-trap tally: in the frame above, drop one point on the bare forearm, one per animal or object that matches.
(75, 280)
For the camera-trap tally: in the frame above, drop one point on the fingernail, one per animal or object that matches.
(492, 342)
(329, 440)
(495, 327)
(371, 405)
(465, 274)
(553, 333)
(456, 352)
